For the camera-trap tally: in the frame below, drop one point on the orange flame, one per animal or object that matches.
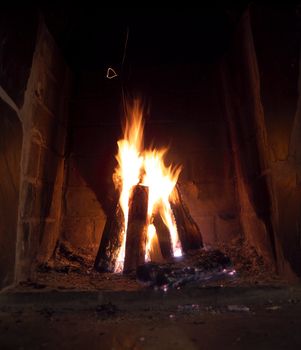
(136, 165)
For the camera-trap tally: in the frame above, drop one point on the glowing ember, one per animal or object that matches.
(147, 167)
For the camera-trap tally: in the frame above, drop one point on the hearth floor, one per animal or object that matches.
(192, 318)
(95, 281)
(204, 268)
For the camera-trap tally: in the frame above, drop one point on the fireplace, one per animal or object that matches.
(218, 95)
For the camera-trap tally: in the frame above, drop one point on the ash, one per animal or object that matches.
(202, 268)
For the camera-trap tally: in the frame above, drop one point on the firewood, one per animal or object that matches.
(111, 240)
(163, 236)
(189, 232)
(137, 229)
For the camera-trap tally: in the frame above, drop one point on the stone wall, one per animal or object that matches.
(260, 80)
(10, 156)
(277, 45)
(242, 106)
(44, 117)
(17, 41)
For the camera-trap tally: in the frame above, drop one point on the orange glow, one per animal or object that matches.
(136, 165)
(151, 232)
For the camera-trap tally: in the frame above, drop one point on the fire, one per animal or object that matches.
(151, 232)
(147, 167)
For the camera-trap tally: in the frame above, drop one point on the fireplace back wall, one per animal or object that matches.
(184, 114)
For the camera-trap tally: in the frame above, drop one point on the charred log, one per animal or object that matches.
(163, 237)
(189, 232)
(137, 229)
(111, 240)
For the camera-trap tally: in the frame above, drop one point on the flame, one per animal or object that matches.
(151, 232)
(136, 165)
(161, 180)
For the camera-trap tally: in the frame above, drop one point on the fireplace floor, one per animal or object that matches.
(237, 318)
(227, 267)
(70, 305)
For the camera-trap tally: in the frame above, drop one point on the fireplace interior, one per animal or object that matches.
(219, 89)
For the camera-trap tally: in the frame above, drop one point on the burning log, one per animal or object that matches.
(135, 163)
(163, 236)
(189, 233)
(111, 240)
(155, 253)
(137, 229)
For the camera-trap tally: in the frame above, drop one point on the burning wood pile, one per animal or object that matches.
(149, 220)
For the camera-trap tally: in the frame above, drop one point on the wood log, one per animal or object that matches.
(137, 229)
(111, 240)
(163, 237)
(189, 232)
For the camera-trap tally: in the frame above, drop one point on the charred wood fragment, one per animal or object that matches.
(163, 236)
